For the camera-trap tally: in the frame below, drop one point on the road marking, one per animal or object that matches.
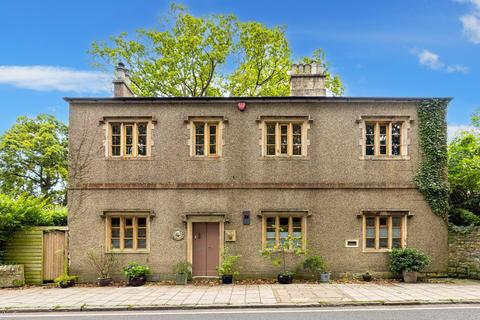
(87, 314)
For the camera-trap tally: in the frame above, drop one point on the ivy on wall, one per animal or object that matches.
(431, 178)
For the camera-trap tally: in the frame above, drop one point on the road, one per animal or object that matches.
(437, 312)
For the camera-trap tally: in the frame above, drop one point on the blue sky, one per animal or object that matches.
(380, 48)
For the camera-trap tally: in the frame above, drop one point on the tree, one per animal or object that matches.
(33, 158)
(188, 56)
(464, 176)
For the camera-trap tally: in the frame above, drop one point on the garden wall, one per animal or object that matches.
(464, 254)
(11, 276)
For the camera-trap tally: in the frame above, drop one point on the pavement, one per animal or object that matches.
(154, 296)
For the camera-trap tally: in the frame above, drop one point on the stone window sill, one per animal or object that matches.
(148, 158)
(290, 158)
(402, 158)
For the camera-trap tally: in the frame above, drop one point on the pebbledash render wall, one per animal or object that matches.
(332, 183)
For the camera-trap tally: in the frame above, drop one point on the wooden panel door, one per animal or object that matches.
(205, 248)
(54, 244)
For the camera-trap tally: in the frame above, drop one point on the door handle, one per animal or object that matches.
(195, 236)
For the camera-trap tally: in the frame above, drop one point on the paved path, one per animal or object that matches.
(161, 296)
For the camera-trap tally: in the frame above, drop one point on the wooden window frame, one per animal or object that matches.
(290, 229)
(377, 217)
(135, 136)
(389, 154)
(207, 124)
(278, 135)
(122, 249)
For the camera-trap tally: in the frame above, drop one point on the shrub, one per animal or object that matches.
(228, 265)
(407, 259)
(135, 270)
(64, 280)
(183, 267)
(314, 264)
(102, 262)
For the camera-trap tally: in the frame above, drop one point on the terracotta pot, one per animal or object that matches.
(137, 282)
(410, 277)
(227, 279)
(285, 279)
(103, 282)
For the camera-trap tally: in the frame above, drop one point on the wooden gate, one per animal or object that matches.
(54, 254)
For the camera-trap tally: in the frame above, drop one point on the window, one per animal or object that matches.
(128, 139)
(384, 232)
(278, 228)
(284, 139)
(127, 233)
(383, 139)
(206, 139)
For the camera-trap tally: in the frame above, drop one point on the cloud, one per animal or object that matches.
(471, 21)
(432, 61)
(51, 78)
(454, 130)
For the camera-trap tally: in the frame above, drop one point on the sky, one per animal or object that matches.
(408, 48)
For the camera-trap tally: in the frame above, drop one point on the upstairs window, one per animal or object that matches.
(206, 138)
(129, 139)
(383, 139)
(284, 139)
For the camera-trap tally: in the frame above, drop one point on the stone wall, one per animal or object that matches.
(464, 254)
(11, 276)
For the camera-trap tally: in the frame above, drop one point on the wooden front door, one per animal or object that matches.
(205, 248)
(54, 245)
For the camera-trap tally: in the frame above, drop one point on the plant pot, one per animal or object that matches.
(285, 279)
(181, 278)
(71, 283)
(410, 276)
(137, 282)
(64, 284)
(103, 282)
(367, 277)
(227, 279)
(325, 277)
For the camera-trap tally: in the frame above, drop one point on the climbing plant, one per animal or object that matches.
(431, 178)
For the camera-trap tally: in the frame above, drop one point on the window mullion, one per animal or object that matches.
(390, 232)
(277, 230)
(206, 139)
(135, 233)
(290, 231)
(122, 233)
(389, 139)
(290, 139)
(277, 139)
(377, 232)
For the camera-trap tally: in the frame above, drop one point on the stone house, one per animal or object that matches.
(159, 180)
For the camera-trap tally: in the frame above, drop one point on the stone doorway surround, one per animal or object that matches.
(192, 217)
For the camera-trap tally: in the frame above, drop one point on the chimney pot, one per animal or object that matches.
(121, 84)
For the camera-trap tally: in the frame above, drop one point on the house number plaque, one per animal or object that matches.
(178, 235)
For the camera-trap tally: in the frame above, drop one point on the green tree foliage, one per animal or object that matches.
(464, 176)
(189, 56)
(33, 158)
(333, 83)
(264, 61)
(27, 211)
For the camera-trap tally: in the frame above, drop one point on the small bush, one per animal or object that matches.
(407, 259)
(314, 264)
(183, 267)
(228, 266)
(135, 270)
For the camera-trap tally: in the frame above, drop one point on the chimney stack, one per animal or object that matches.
(121, 84)
(307, 79)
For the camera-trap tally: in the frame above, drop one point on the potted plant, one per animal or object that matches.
(367, 277)
(65, 281)
(227, 268)
(136, 274)
(408, 261)
(278, 253)
(103, 263)
(315, 264)
(183, 272)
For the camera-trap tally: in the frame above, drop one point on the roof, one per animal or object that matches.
(250, 99)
